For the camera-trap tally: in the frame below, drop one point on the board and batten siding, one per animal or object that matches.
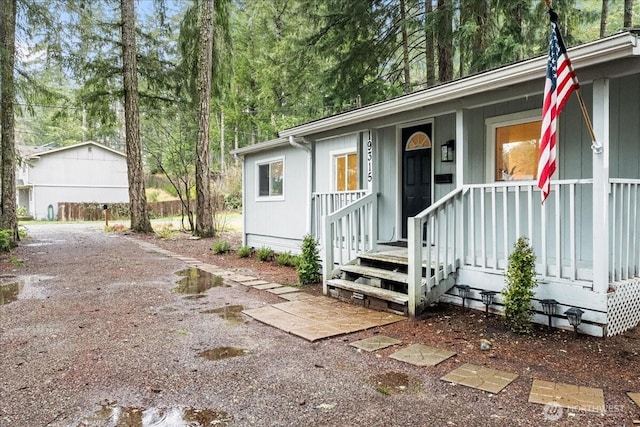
(324, 151)
(625, 127)
(281, 223)
(385, 170)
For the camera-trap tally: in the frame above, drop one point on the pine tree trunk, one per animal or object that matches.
(139, 212)
(604, 17)
(405, 47)
(429, 43)
(627, 21)
(8, 220)
(445, 42)
(204, 213)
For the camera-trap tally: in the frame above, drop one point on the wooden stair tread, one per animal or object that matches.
(381, 273)
(384, 258)
(373, 291)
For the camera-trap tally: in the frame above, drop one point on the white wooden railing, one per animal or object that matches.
(433, 242)
(624, 232)
(497, 214)
(349, 231)
(324, 204)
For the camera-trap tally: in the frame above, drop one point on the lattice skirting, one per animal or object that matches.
(623, 307)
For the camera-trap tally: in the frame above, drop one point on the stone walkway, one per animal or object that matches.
(314, 318)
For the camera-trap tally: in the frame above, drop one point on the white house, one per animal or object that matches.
(86, 172)
(415, 198)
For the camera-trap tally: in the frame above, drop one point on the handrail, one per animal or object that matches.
(442, 219)
(349, 230)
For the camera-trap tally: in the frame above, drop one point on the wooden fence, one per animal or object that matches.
(72, 211)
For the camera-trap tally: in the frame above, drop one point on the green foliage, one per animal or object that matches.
(21, 211)
(520, 282)
(264, 254)
(5, 240)
(308, 267)
(286, 259)
(16, 262)
(221, 247)
(165, 231)
(244, 252)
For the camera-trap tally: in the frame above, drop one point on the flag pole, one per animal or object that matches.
(595, 145)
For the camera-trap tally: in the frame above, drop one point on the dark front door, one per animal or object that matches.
(416, 171)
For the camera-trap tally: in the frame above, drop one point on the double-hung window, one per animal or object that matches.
(271, 179)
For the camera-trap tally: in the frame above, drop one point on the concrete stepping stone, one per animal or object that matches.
(377, 342)
(265, 286)
(490, 380)
(296, 296)
(422, 355)
(635, 397)
(283, 290)
(255, 282)
(567, 396)
(241, 278)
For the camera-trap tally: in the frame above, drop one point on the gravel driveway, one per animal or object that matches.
(98, 337)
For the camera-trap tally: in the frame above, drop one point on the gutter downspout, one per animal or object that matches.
(293, 143)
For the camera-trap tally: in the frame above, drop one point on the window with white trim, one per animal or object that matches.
(513, 143)
(345, 168)
(271, 179)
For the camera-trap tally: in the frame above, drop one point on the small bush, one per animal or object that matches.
(309, 261)
(5, 240)
(244, 252)
(165, 231)
(520, 280)
(286, 259)
(221, 247)
(264, 254)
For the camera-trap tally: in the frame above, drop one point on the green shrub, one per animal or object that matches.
(520, 282)
(244, 252)
(5, 240)
(308, 267)
(286, 259)
(221, 247)
(264, 254)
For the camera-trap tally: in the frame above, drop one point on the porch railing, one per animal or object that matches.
(349, 231)
(624, 233)
(324, 204)
(497, 214)
(433, 243)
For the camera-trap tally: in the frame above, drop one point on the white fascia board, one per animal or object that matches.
(262, 146)
(601, 51)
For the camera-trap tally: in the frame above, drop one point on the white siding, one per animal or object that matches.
(323, 159)
(282, 223)
(87, 173)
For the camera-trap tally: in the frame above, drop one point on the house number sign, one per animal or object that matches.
(369, 161)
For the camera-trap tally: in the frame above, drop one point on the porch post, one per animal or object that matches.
(461, 144)
(414, 254)
(372, 182)
(601, 187)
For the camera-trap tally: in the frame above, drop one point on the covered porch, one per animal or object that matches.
(465, 239)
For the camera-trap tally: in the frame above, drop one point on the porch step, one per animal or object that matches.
(368, 296)
(374, 272)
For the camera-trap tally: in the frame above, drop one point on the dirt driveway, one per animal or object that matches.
(98, 334)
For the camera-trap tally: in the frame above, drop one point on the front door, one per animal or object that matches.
(416, 171)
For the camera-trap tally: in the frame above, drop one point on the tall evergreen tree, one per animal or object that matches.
(138, 208)
(8, 219)
(204, 214)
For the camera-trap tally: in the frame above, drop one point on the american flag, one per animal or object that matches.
(560, 82)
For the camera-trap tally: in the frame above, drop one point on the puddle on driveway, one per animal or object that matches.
(154, 417)
(392, 382)
(228, 312)
(196, 281)
(220, 353)
(9, 292)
